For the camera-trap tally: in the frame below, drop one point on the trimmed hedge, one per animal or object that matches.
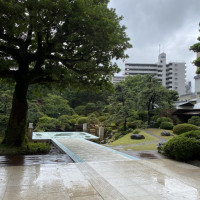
(166, 125)
(160, 120)
(184, 147)
(195, 120)
(82, 120)
(183, 128)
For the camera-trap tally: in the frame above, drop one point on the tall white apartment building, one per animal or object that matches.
(117, 79)
(172, 75)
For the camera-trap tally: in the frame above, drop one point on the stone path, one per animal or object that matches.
(86, 151)
(100, 174)
(109, 180)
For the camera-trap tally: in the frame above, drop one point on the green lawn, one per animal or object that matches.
(157, 132)
(145, 147)
(126, 140)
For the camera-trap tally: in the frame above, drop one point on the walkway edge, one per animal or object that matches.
(73, 156)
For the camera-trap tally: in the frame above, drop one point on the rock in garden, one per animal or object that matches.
(137, 136)
(165, 133)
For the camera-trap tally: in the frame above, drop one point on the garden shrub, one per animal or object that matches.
(82, 120)
(131, 125)
(140, 124)
(108, 130)
(163, 119)
(102, 118)
(47, 124)
(92, 119)
(166, 125)
(136, 131)
(117, 136)
(183, 128)
(80, 110)
(195, 120)
(192, 134)
(183, 147)
(65, 124)
(73, 121)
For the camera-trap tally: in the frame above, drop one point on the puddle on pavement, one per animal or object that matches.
(147, 155)
(34, 159)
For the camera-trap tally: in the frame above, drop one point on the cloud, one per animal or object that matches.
(172, 23)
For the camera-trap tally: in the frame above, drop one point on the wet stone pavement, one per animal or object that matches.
(102, 174)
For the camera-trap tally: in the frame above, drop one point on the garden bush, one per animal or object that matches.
(183, 128)
(163, 119)
(136, 131)
(65, 124)
(131, 125)
(82, 120)
(102, 118)
(47, 124)
(92, 119)
(192, 134)
(195, 120)
(184, 147)
(166, 125)
(108, 130)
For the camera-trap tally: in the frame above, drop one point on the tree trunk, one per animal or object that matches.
(16, 133)
(149, 113)
(124, 125)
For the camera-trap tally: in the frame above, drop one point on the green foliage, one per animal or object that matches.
(107, 131)
(56, 106)
(184, 147)
(80, 110)
(35, 112)
(47, 124)
(182, 128)
(166, 125)
(90, 108)
(163, 119)
(192, 134)
(132, 125)
(102, 118)
(195, 120)
(117, 136)
(65, 124)
(29, 149)
(3, 123)
(92, 119)
(196, 49)
(140, 124)
(73, 121)
(58, 43)
(136, 131)
(82, 120)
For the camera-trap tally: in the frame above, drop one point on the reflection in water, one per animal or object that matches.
(18, 160)
(147, 155)
(12, 160)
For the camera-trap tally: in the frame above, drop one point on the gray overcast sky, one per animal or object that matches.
(174, 24)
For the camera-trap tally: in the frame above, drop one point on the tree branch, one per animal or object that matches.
(13, 52)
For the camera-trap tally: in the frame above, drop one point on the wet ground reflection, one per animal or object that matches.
(34, 159)
(147, 155)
